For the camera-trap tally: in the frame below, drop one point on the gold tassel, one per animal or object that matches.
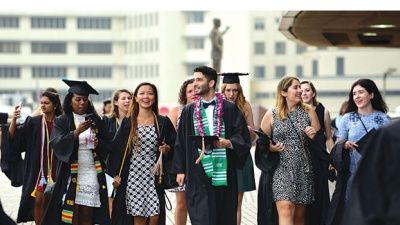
(33, 194)
(203, 150)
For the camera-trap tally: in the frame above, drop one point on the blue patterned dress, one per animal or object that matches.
(352, 129)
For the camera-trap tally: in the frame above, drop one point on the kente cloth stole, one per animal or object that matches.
(73, 187)
(214, 164)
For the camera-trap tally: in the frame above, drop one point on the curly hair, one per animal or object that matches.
(182, 100)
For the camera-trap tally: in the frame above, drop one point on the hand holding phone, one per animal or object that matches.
(89, 116)
(19, 106)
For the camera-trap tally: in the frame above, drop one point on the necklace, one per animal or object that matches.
(198, 108)
(146, 121)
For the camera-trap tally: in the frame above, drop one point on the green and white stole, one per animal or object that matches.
(214, 164)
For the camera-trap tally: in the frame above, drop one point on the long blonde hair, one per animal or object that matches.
(284, 85)
(240, 101)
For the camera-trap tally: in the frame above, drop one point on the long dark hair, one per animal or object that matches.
(133, 112)
(68, 108)
(369, 85)
(55, 99)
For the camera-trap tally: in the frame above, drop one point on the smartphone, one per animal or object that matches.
(89, 116)
(19, 106)
(262, 134)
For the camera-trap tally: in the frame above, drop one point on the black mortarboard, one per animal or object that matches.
(80, 87)
(232, 78)
(107, 101)
(208, 142)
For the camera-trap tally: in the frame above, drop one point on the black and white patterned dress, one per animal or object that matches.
(292, 180)
(141, 195)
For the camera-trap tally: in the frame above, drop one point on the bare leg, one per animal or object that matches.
(139, 220)
(153, 220)
(180, 209)
(39, 207)
(285, 212)
(110, 204)
(239, 208)
(299, 214)
(85, 215)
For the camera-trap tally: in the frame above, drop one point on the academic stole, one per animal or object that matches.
(214, 164)
(73, 187)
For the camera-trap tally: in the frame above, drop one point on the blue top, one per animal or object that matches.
(352, 129)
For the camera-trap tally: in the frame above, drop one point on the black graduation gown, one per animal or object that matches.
(340, 159)
(119, 213)
(207, 204)
(4, 218)
(12, 164)
(267, 162)
(317, 211)
(66, 148)
(27, 139)
(375, 194)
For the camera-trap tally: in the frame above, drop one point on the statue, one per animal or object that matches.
(217, 44)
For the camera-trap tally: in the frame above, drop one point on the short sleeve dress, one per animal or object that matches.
(293, 178)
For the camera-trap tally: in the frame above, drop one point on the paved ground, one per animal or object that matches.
(10, 197)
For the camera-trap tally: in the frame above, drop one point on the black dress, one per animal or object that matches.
(207, 204)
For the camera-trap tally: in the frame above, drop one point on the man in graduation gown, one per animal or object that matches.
(375, 195)
(210, 201)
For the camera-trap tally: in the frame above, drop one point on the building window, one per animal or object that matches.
(259, 72)
(103, 94)
(9, 47)
(48, 47)
(340, 66)
(322, 48)
(259, 23)
(94, 23)
(48, 22)
(195, 17)
(280, 48)
(95, 72)
(10, 72)
(300, 49)
(49, 71)
(190, 67)
(9, 22)
(259, 48)
(262, 95)
(314, 68)
(195, 43)
(280, 71)
(94, 47)
(299, 71)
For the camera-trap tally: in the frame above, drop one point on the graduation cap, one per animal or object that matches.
(232, 78)
(80, 87)
(208, 142)
(107, 101)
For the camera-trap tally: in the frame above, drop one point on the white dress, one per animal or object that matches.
(88, 185)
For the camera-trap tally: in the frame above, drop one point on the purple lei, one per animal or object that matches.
(219, 114)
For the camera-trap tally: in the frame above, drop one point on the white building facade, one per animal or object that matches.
(113, 50)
